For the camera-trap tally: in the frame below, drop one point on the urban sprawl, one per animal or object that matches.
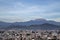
(29, 34)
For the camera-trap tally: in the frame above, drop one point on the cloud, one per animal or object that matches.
(11, 19)
(56, 19)
(29, 11)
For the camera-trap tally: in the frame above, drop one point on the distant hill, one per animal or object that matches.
(32, 24)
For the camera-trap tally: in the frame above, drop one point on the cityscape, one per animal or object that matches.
(30, 35)
(29, 19)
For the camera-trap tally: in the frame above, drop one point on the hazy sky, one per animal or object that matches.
(24, 10)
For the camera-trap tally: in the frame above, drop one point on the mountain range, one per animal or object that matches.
(32, 24)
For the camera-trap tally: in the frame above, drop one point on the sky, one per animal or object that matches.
(25, 10)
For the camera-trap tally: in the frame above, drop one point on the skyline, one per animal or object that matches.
(24, 10)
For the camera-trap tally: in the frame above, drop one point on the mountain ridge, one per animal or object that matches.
(38, 22)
